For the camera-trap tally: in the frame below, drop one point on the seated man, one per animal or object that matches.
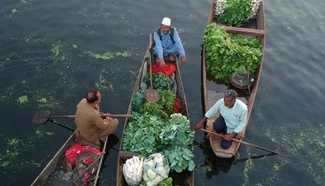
(90, 124)
(232, 118)
(167, 43)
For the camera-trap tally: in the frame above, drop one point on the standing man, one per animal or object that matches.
(90, 124)
(167, 43)
(232, 119)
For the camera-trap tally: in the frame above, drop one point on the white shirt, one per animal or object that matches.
(235, 117)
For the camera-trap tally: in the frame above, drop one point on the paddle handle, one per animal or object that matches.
(73, 116)
(150, 65)
(240, 141)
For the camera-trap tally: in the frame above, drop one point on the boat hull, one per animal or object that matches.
(183, 178)
(213, 90)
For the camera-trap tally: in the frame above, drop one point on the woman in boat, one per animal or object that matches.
(90, 124)
(232, 118)
(167, 43)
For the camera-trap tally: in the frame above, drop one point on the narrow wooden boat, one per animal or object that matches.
(213, 90)
(185, 177)
(52, 169)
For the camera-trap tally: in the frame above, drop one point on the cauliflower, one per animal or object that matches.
(156, 169)
(132, 170)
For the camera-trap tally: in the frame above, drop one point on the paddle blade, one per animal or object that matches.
(41, 117)
(151, 95)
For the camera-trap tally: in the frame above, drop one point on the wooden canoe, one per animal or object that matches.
(185, 178)
(213, 91)
(46, 176)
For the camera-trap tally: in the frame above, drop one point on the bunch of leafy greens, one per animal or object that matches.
(159, 81)
(227, 53)
(138, 100)
(148, 134)
(177, 138)
(152, 108)
(165, 182)
(142, 134)
(236, 12)
(167, 100)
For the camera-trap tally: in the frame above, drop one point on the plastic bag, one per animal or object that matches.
(132, 170)
(156, 169)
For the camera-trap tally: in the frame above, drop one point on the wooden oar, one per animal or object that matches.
(61, 125)
(41, 117)
(151, 94)
(240, 141)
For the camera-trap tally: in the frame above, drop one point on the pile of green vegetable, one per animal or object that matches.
(148, 134)
(236, 12)
(156, 128)
(166, 102)
(159, 81)
(227, 53)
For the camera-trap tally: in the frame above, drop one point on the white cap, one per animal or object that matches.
(166, 21)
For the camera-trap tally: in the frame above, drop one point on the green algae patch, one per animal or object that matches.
(14, 142)
(248, 168)
(108, 55)
(124, 54)
(14, 10)
(42, 133)
(46, 103)
(49, 133)
(30, 40)
(12, 151)
(57, 48)
(100, 83)
(23, 99)
(24, 1)
(42, 100)
(74, 46)
(105, 56)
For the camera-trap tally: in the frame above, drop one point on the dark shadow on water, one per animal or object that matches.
(214, 164)
(252, 157)
(111, 142)
(61, 125)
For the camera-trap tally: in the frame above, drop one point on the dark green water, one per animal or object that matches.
(52, 52)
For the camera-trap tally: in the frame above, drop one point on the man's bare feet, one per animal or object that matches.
(171, 57)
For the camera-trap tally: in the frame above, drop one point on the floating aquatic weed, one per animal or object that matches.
(57, 48)
(105, 56)
(248, 168)
(22, 99)
(124, 54)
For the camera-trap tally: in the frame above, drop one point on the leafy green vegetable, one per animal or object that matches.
(177, 137)
(236, 12)
(167, 100)
(159, 81)
(226, 53)
(142, 134)
(138, 100)
(148, 134)
(180, 157)
(154, 109)
(166, 182)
